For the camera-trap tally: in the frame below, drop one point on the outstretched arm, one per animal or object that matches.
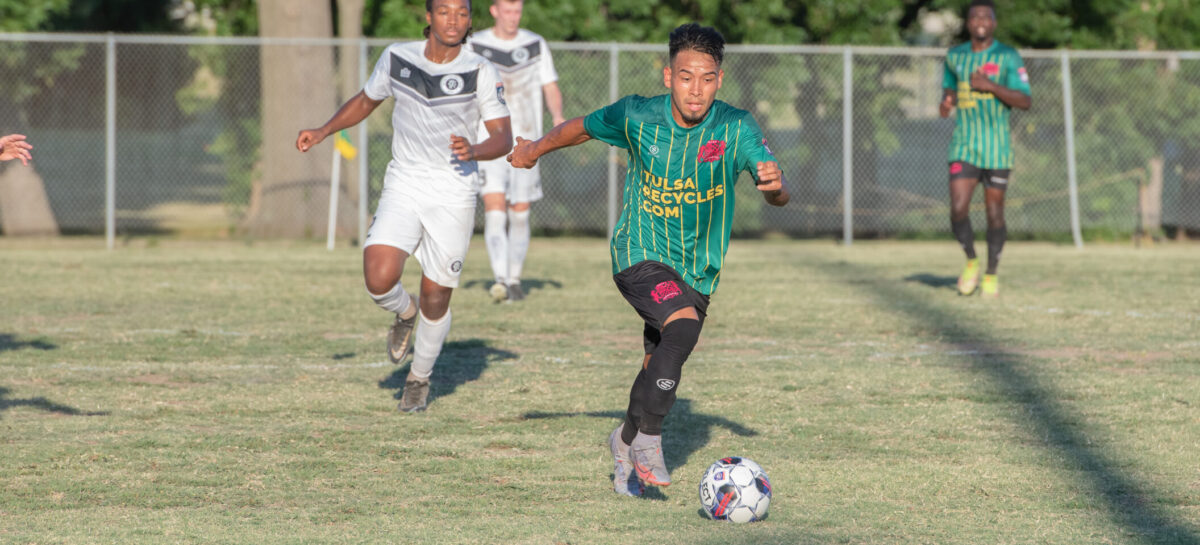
(350, 114)
(527, 152)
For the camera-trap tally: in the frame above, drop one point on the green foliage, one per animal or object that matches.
(29, 15)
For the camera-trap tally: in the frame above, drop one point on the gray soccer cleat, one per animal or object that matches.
(400, 336)
(499, 292)
(625, 480)
(515, 293)
(648, 461)
(416, 394)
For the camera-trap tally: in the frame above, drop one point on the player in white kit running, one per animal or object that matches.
(527, 69)
(443, 92)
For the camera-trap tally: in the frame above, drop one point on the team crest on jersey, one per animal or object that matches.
(405, 73)
(520, 55)
(711, 151)
(452, 84)
(991, 69)
(500, 93)
(653, 150)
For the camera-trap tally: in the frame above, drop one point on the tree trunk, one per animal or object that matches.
(24, 207)
(298, 91)
(350, 15)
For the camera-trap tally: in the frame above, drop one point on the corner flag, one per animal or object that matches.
(341, 142)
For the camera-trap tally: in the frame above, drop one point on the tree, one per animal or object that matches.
(297, 89)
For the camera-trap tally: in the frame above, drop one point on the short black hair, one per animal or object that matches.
(702, 39)
(982, 4)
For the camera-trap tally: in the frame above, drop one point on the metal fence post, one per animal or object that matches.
(613, 90)
(848, 146)
(364, 185)
(1069, 129)
(110, 141)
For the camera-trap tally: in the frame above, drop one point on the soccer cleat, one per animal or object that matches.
(648, 460)
(625, 480)
(416, 394)
(499, 292)
(515, 293)
(400, 336)
(969, 279)
(990, 287)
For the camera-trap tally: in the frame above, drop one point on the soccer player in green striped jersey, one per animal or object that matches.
(686, 151)
(985, 79)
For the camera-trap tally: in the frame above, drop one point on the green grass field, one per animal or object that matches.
(239, 393)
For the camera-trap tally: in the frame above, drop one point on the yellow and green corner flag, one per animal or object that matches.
(342, 143)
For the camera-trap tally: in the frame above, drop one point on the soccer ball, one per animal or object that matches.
(735, 489)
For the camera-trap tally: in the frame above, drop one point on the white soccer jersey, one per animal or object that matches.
(525, 66)
(433, 102)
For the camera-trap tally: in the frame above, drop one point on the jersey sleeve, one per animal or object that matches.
(949, 78)
(608, 123)
(490, 97)
(1016, 77)
(546, 72)
(752, 147)
(379, 85)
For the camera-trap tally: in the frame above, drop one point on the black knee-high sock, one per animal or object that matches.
(661, 376)
(996, 236)
(635, 412)
(965, 235)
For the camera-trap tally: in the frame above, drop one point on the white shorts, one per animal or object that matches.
(518, 184)
(436, 234)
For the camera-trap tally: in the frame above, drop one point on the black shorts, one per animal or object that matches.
(656, 292)
(993, 178)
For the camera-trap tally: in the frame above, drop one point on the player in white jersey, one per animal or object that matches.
(528, 71)
(427, 208)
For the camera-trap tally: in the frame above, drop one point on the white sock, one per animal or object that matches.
(518, 243)
(428, 345)
(496, 237)
(397, 300)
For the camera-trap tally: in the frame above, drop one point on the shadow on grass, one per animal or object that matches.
(41, 403)
(459, 363)
(9, 343)
(530, 285)
(1130, 504)
(933, 281)
(684, 432)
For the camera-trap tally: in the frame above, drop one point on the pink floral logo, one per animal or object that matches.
(711, 151)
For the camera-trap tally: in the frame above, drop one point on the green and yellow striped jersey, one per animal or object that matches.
(981, 136)
(678, 199)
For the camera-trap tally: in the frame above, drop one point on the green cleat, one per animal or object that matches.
(990, 289)
(968, 281)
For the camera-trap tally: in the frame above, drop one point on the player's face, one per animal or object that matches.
(981, 23)
(448, 21)
(507, 15)
(694, 79)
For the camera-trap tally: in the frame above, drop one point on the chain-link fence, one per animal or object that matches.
(166, 134)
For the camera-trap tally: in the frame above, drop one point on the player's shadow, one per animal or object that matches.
(530, 285)
(933, 280)
(684, 432)
(459, 363)
(1132, 504)
(40, 403)
(11, 343)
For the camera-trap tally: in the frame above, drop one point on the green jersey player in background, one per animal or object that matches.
(985, 79)
(686, 150)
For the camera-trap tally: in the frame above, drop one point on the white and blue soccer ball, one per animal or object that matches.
(735, 489)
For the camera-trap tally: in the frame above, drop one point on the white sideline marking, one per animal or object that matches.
(167, 366)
